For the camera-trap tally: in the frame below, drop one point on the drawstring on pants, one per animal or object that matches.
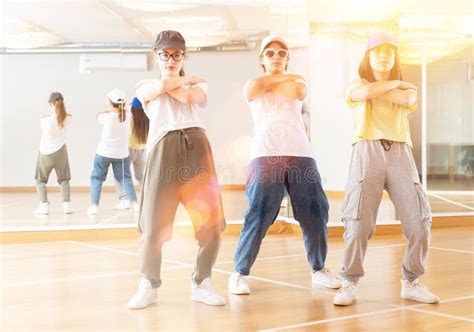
(186, 142)
(386, 144)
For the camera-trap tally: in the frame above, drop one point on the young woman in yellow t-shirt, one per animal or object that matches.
(382, 159)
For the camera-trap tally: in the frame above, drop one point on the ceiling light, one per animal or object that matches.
(182, 19)
(276, 10)
(152, 6)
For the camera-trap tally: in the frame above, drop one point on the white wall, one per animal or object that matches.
(334, 62)
(412, 73)
(450, 101)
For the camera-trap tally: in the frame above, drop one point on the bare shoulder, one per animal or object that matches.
(252, 80)
(249, 83)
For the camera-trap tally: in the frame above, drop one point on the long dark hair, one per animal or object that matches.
(122, 114)
(141, 123)
(60, 111)
(365, 71)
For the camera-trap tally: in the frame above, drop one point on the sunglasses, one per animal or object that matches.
(164, 56)
(270, 53)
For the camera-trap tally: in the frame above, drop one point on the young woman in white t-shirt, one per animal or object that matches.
(112, 150)
(53, 154)
(179, 169)
(281, 157)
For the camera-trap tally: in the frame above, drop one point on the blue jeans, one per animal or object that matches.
(99, 174)
(266, 181)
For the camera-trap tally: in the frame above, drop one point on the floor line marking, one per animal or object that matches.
(452, 202)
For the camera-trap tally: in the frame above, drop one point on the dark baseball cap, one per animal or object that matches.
(55, 96)
(170, 39)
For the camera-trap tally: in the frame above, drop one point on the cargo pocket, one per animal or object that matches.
(423, 203)
(352, 201)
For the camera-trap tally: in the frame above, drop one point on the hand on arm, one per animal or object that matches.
(188, 96)
(406, 98)
(149, 90)
(407, 86)
(194, 95)
(291, 90)
(362, 90)
(265, 83)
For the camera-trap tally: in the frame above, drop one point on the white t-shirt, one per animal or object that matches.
(278, 126)
(114, 140)
(53, 137)
(167, 114)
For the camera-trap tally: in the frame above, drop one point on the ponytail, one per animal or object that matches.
(60, 111)
(122, 114)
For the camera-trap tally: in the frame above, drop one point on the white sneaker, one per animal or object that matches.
(238, 284)
(92, 210)
(124, 204)
(144, 296)
(67, 207)
(416, 291)
(346, 294)
(136, 208)
(325, 278)
(43, 208)
(205, 294)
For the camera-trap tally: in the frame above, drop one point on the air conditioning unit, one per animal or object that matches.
(90, 62)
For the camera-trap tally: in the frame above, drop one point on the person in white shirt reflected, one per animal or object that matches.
(112, 150)
(53, 154)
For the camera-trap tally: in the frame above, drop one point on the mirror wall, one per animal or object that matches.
(327, 42)
(115, 52)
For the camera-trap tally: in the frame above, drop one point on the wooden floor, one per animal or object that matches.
(439, 183)
(85, 286)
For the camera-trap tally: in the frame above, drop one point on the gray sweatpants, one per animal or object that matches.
(372, 170)
(180, 169)
(45, 165)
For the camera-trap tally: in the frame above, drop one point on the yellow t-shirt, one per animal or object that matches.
(132, 140)
(380, 119)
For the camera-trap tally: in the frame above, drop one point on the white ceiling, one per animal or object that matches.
(109, 21)
(436, 27)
